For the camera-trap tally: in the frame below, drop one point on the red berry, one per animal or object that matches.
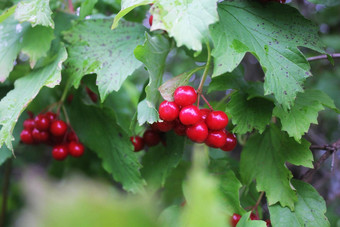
(26, 136)
(204, 113)
(137, 142)
(179, 128)
(168, 111)
(42, 122)
(235, 219)
(59, 152)
(189, 115)
(151, 138)
(230, 142)
(40, 136)
(29, 124)
(198, 132)
(72, 136)
(52, 116)
(69, 98)
(150, 20)
(164, 126)
(268, 223)
(185, 96)
(58, 128)
(216, 139)
(217, 120)
(93, 96)
(75, 149)
(254, 217)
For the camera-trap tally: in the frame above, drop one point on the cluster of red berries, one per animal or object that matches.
(236, 218)
(47, 128)
(151, 137)
(199, 125)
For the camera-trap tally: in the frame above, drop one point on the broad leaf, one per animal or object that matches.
(304, 112)
(310, 209)
(86, 8)
(263, 158)
(127, 6)
(37, 12)
(95, 42)
(245, 221)
(249, 114)
(25, 89)
(187, 21)
(153, 54)
(265, 31)
(159, 161)
(111, 143)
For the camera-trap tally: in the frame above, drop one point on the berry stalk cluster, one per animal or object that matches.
(236, 218)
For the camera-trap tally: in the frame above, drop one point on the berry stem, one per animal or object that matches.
(206, 70)
(70, 6)
(324, 56)
(66, 115)
(258, 202)
(206, 101)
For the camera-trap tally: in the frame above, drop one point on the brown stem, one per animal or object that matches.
(258, 201)
(324, 56)
(5, 187)
(206, 101)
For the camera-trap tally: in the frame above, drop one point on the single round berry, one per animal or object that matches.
(268, 223)
(216, 139)
(26, 136)
(254, 217)
(185, 96)
(150, 20)
(198, 132)
(165, 126)
(217, 120)
(40, 136)
(58, 128)
(179, 128)
(168, 111)
(59, 152)
(151, 138)
(230, 142)
(204, 113)
(189, 115)
(50, 115)
(71, 136)
(235, 219)
(29, 124)
(137, 142)
(42, 122)
(75, 149)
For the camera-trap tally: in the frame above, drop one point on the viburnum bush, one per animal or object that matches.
(190, 113)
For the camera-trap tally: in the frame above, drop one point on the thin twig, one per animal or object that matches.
(206, 70)
(258, 201)
(207, 102)
(324, 56)
(8, 168)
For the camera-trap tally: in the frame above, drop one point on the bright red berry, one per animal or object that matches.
(204, 113)
(179, 128)
(216, 120)
(268, 223)
(198, 132)
(40, 136)
(235, 219)
(58, 128)
(59, 152)
(150, 20)
(168, 111)
(189, 115)
(185, 96)
(75, 149)
(29, 124)
(137, 142)
(42, 122)
(230, 142)
(216, 139)
(163, 126)
(72, 136)
(151, 138)
(254, 217)
(50, 115)
(26, 136)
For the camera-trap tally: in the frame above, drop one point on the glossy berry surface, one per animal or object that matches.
(168, 111)
(59, 152)
(216, 139)
(58, 128)
(29, 124)
(151, 138)
(50, 115)
(26, 136)
(235, 219)
(137, 142)
(185, 96)
(42, 122)
(71, 136)
(40, 136)
(75, 149)
(179, 128)
(189, 115)
(150, 20)
(230, 143)
(204, 113)
(198, 132)
(217, 120)
(164, 126)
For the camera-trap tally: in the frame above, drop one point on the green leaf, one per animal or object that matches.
(246, 222)
(36, 42)
(111, 143)
(159, 161)
(11, 33)
(37, 12)
(7, 13)
(203, 200)
(153, 54)
(296, 122)
(270, 151)
(191, 18)
(127, 6)
(249, 114)
(5, 154)
(95, 42)
(86, 8)
(25, 89)
(271, 36)
(310, 209)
